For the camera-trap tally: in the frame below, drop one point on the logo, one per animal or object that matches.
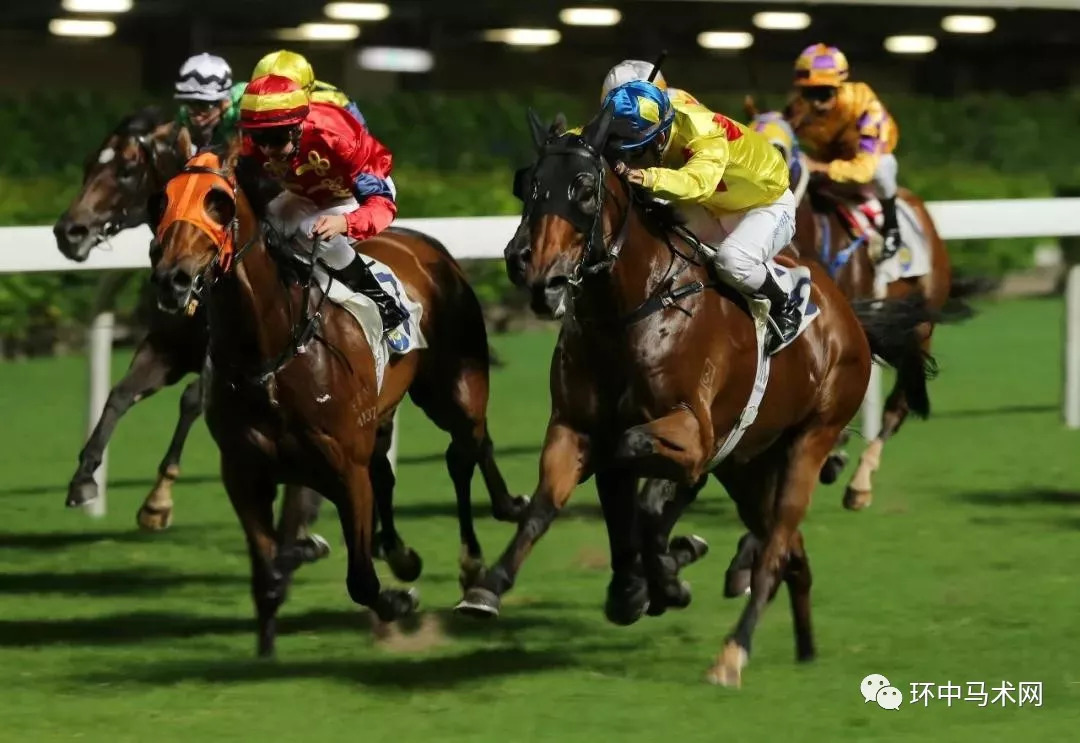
(876, 688)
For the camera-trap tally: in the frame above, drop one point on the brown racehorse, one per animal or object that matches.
(292, 394)
(825, 235)
(134, 161)
(651, 372)
(132, 165)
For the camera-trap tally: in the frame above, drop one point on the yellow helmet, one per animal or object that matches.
(820, 65)
(286, 64)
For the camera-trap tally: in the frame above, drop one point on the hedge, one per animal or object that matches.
(455, 155)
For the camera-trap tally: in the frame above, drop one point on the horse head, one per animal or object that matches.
(134, 161)
(564, 217)
(197, 227)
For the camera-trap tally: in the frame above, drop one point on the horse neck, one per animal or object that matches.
(251, 312)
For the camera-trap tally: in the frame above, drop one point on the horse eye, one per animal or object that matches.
(583, 188)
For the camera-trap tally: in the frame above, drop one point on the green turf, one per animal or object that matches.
(963, 570)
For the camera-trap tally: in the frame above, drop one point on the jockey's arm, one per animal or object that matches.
(698, 179)
(873, 125)
(368, 163)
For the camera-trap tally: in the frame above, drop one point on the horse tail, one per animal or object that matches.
(894, 329)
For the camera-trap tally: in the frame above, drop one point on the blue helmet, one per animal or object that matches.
(643, 109)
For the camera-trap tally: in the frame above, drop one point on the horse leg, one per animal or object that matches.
(563, 464)
(859, 493)
(300, 508)
(404, 562)
(779, 523)
(667, 447)
(836, 461)
(356, 505)
(798, 578)
(661, 504)
(628, 591)
(150, 370)
(252, 492)
(156, 512)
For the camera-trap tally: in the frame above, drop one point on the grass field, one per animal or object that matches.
(963, 570)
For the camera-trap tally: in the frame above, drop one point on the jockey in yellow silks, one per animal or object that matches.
(846, 131)
(729, 183)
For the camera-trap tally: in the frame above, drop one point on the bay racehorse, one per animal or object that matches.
(130, 169)
(831, 235)
(292, 388)
(653, 370)
(134, 161)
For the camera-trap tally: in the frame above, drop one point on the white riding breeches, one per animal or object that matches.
(744, 241)
(293, 216)
(885, 177)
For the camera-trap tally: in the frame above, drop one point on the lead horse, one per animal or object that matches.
(653, 371)
(823, 233)
(293, 394)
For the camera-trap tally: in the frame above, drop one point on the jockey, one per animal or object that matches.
(635, 69)
(210, 100)
(729, 182)
(847, 131)
(334, 173)
(296, 67)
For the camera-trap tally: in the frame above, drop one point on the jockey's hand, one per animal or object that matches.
(631, 174)
(329, 225)
(817, 167)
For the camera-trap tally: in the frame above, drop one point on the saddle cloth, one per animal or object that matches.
(406, 337)
(911, 260)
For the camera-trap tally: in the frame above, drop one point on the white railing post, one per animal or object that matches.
(99, 354)
(1071, 408)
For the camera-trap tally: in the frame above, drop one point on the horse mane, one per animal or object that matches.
(143, 121)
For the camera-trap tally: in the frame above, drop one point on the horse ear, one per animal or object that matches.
(601, 127)
(232, 154)
(750, 107)
(558, 126)
(537, 129)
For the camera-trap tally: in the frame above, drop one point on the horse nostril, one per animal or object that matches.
(76, 232)
(180, 279)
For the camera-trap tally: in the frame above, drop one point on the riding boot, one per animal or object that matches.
(357, 275)
(785, 315)
(890, 228)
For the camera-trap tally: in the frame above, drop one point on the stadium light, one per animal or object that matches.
(725, 39)
(96, 6)
(395, 59)
(968, 24)
(524, 36)
(590, 16)
(910, 44)
(357, 11)
(72, 27)
(774, 21)
(319, 32)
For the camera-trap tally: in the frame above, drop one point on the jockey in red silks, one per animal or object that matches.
(335, 177)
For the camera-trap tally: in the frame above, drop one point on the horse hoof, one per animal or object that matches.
(626, 602)
(152, 518)
(857, 500)
(688, 550)
(405, 564)
(832, 468)
(395, 603)
(736, 583)
(728, 668)
(479, 603)
(513, 510)
(313, 548)
(81, 493)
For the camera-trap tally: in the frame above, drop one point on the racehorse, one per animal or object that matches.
(134, 161)
(133, 164)
(653, 369)
(822, 231)
(293, 395)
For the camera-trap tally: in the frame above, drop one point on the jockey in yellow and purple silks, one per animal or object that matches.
(846, 131)
(729, 183)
